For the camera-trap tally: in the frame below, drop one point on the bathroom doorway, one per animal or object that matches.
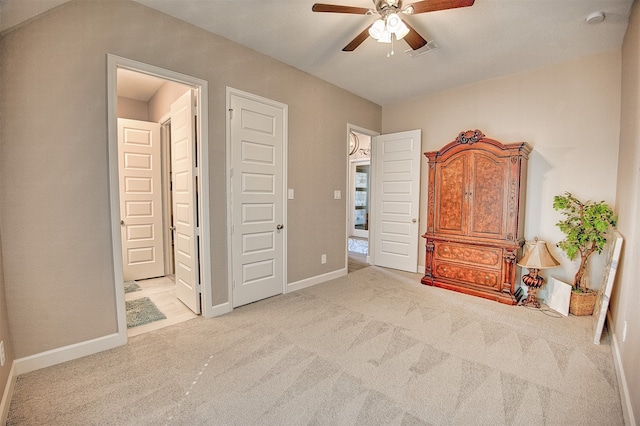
(159, 206)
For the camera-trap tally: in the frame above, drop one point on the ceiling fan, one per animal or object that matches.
(390, 25)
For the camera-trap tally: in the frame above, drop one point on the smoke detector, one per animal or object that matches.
(595, 18)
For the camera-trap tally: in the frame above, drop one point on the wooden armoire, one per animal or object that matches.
(475, 212)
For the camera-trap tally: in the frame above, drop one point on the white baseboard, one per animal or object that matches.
(7, 395)
(318, 279)
(68, 353)
(625, 399)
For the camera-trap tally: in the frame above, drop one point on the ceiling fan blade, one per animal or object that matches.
(434, 5)
(413, 39)
(357, 41)
(335, 8)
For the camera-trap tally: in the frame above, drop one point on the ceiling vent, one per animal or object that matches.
(431, 45)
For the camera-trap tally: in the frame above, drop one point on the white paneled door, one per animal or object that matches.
(140, 199)
(184, 195)
(257, 135)
(396, 200)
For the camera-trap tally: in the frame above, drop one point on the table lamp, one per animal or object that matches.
(536, 257)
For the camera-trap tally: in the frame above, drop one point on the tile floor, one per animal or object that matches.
(162, 291)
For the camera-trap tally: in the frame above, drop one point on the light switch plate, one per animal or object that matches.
(290, 194)
(337, 194)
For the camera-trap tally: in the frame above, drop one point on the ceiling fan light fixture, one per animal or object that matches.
(408, 10)
(377, 29)
(394, 23)
(385, 37)
(403, 31)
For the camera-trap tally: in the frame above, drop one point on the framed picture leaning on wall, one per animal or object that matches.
(608, 277)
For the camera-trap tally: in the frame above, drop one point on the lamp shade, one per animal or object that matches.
(385, 37)
(403, 31)
(537, 256)
(376, 29)
(394, 23)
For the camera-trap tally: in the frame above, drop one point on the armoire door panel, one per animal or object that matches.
(450, 191)
(487, 195)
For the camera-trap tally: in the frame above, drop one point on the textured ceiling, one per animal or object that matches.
(487, 40)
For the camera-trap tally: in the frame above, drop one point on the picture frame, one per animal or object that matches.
(558, 296)
(606, 286)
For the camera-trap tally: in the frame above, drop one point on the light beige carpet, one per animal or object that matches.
(374, 347)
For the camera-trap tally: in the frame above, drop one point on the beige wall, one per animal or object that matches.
(568, 112)
(4, 328)
(160, 102)
(624, 303)
(54, 172)
(132, 109)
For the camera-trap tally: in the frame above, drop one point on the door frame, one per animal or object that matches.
(201, 86)
(230, 91)
(347, 231)
(165, 139)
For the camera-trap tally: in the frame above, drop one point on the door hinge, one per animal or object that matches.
(231, 113)
(231, 172)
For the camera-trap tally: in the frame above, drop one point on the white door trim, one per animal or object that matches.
(230, 91)
(347, 231)
(201, 86)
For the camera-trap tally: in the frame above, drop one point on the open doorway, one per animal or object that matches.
(148, 222)
(158, 174)
(392, 194)
(359, 199)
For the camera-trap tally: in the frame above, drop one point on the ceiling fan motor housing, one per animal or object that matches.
(385, 7)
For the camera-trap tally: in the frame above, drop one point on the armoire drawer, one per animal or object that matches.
(486, 257)
(468, 274)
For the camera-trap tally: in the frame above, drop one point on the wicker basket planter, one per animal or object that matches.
(582, 304)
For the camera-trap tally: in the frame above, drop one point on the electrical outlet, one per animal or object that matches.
(323, 259)
(624, 332)
(2, 357)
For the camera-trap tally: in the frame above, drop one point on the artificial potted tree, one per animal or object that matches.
(586, 226)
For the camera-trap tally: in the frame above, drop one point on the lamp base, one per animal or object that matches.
(531, 300)
(533, 282)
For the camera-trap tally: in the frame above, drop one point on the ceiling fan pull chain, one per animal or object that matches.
(391, 52)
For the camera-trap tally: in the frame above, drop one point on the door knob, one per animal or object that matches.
(414, 220)
(279, 227)
(121, 222)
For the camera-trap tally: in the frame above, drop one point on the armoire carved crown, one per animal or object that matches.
(475, 215)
